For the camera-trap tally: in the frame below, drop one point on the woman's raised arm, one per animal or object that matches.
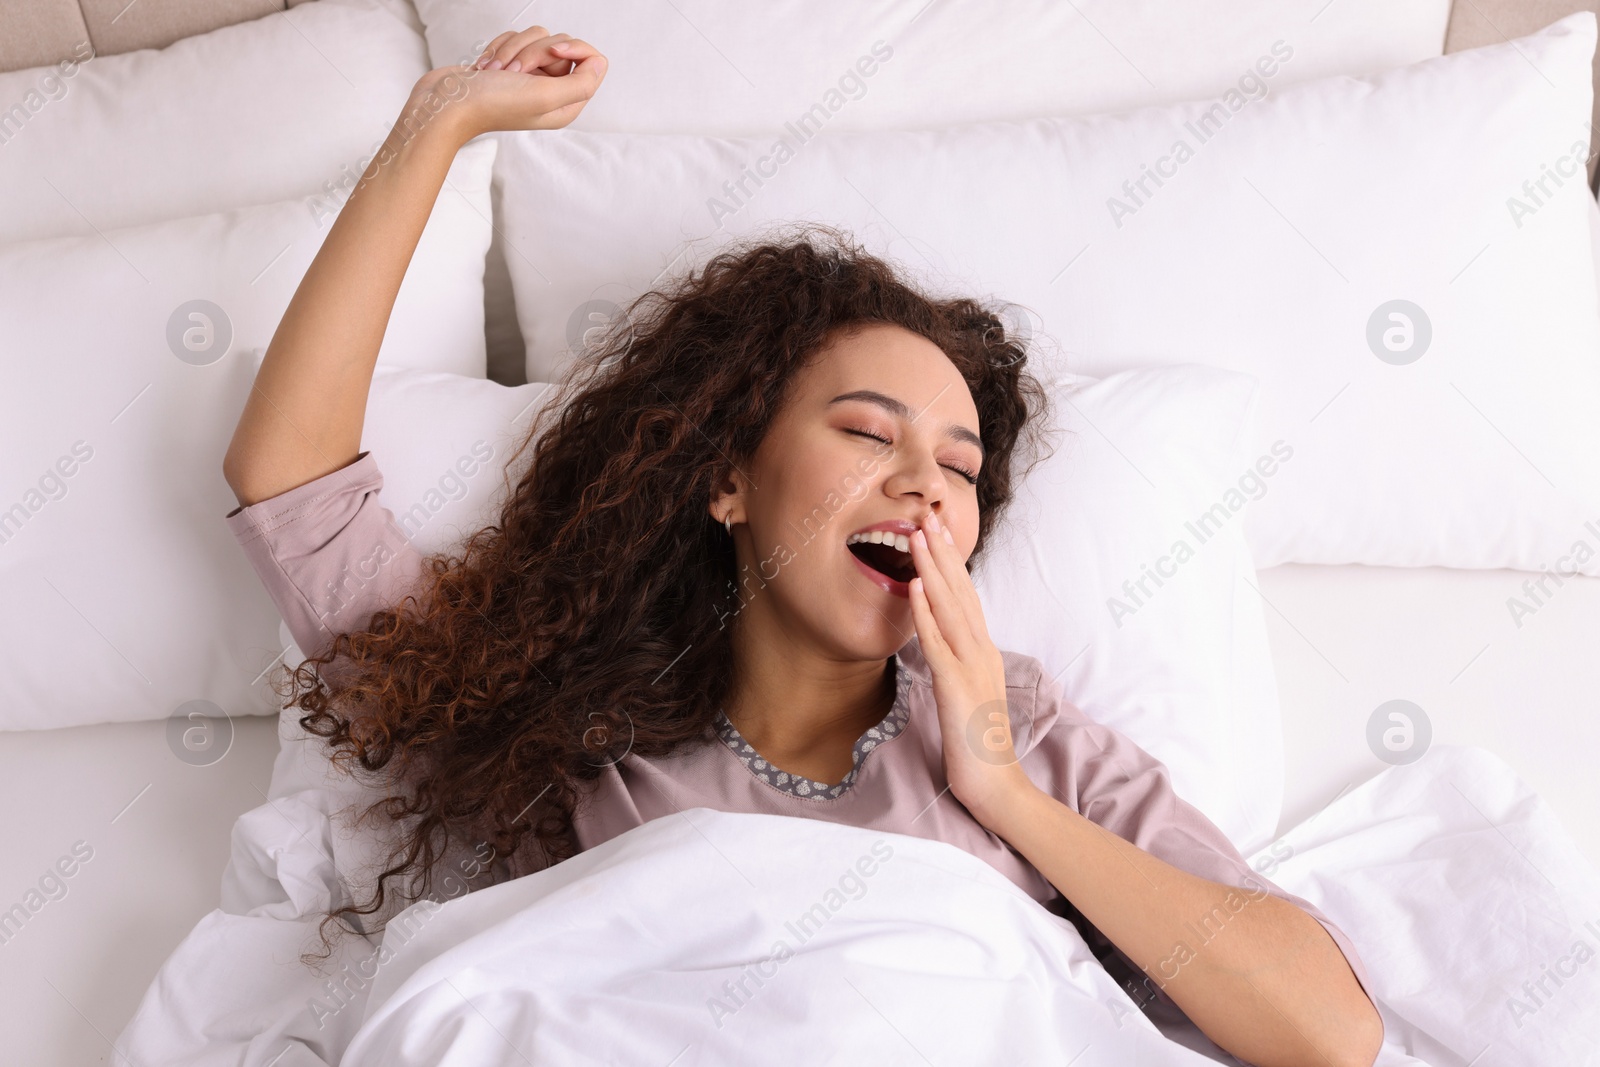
(304, 415)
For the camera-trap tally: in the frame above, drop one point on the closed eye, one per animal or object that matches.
(874, 436)
(970, 476)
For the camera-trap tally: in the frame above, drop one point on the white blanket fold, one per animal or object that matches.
(715, 938)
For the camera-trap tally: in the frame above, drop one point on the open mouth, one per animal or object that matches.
(885, 559)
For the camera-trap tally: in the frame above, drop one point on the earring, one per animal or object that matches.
(727, 521)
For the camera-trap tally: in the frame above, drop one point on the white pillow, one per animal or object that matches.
(251, 113)
(1276, 249)
(1186, 672)
(745, 69)
(442, 442)
(700, 66)
(125, 596)
(1106, 570)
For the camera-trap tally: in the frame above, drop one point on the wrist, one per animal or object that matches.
(1008, 804)
(412, 142)
(436, 112)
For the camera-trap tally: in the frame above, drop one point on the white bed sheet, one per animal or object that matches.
(159, 829)
(1347, 639)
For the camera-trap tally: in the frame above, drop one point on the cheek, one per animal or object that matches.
(817, 485)
(802, 514)
(962, 521)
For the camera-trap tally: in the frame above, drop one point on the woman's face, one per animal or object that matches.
(879, 430)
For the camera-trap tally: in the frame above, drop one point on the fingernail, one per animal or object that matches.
(516, 64)
(947, 538)
(494, 64)
(933, 522)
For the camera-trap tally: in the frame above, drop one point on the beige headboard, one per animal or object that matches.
(36, 32)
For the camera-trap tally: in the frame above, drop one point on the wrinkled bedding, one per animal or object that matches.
(710, 937)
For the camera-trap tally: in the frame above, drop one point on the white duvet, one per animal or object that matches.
(715, 938)
(709, 937)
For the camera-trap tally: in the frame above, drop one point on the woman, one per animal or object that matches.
(734, 574)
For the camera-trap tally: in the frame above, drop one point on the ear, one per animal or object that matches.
(727, 496)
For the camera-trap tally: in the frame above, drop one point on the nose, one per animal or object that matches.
(918, 475)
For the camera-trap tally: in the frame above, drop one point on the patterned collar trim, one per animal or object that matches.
(809, 788)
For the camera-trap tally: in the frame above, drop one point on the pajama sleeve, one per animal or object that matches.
(328, 552)
(1114, 783)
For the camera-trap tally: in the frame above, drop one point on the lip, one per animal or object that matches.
(878, 578)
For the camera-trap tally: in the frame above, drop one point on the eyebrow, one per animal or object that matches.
(898, 407)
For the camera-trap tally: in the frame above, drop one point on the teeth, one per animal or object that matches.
(899, 542)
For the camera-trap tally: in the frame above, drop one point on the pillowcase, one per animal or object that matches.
(442, 442)
(739, 70)
(125, 596)
(1402, 260)
(251, 113)
(1179, 664)
(681, 66)
(1122, 567)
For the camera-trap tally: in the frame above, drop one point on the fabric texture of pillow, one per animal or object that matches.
(1122, 567)
(733, 70)
(698, 66)
(1402, 260)
(125, 597)
(1180, 663)
(252, 113)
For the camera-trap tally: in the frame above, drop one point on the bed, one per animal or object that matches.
(1497, 811)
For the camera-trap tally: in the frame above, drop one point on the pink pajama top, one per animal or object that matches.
(329, 554)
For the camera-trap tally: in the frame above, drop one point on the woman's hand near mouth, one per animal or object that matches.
(969, 681)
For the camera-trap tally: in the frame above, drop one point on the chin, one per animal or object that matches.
(871, 624)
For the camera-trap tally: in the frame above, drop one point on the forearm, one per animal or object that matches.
(1256, 974)
(305, 412)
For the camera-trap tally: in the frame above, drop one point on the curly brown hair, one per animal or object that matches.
(589, 619)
